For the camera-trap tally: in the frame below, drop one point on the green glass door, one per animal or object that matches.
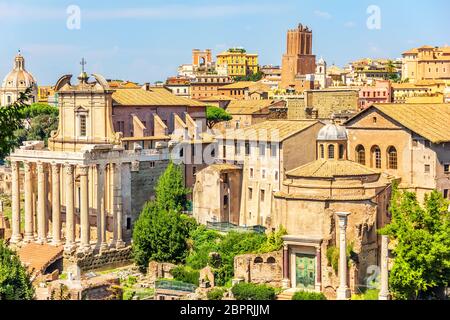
(305, 271)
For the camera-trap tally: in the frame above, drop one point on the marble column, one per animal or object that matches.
(101, 213)
(84, 207)
(41, 214)
(285, 282)
(15, 186)
(119, 212)
(70, 208)
(384, 290)
(28, 188)
(318, 285)
(343, 291)
(56, 205)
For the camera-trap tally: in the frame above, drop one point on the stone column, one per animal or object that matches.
(318, 286)
(56, 205)
(101, 213)
(28, 188)
(15, 186)
(41, 214)
(84, 207)
(384, 290)
(343, 291)
(118, 208)
(70, 208)
(285, 282)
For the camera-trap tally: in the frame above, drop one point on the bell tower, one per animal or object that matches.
(298, 59)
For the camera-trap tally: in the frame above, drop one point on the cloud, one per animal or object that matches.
(349, 24)
(323, 14)
(166, 12)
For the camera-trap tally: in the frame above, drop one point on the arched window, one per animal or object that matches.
(270, 260)
(392, 158)
(361, 155)
(258, 260)
(331, 151)
(341, 151)
(376, 157)
(322, 152)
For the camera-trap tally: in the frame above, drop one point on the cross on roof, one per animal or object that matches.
(83, 63)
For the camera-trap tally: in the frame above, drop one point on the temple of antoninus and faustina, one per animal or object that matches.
(85, 189)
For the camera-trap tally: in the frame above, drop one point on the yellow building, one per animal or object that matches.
(426, 63)
(238, 62)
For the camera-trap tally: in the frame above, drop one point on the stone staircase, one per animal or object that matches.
(285, 295)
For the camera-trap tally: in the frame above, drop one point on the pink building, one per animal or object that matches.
(378, 93)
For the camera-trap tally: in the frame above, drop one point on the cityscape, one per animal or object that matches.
(238, 173)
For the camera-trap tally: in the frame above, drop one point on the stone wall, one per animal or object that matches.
(264, 268)
(89, 261)
(159, 270)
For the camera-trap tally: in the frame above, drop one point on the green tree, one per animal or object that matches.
(421, 235)
(42, 119)
(215, 115)
(11, 119)
(15, 283)
(170, 191)
(159, 235)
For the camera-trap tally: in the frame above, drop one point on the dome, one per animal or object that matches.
(332, 132)
(18, 77)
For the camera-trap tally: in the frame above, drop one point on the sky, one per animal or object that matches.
(145, 41)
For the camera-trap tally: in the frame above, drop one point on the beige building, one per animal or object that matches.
(408, 141)
(16, 82)
(264, 152)
(86, 189)
(324, 205)
(426, 63)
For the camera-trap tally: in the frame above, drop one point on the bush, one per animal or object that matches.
(215, 294)
(251, 291)
(370, 294)
(305, 295)
(185, 274)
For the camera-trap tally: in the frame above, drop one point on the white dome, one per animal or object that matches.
(332, 132)
(18, 77)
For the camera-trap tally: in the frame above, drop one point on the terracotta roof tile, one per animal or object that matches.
(153, 97)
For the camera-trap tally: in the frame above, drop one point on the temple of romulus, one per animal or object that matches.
(84, 190)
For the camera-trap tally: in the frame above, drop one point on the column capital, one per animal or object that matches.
(40, 167)
(83, 170)
(56, 167)
(342, 218)
(14, 165)
(68, 169)
(27, 165)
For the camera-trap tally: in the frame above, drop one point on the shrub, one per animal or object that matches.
(370, 294)
(251, 291)
(215, 294)
(305, 295)
(185, 274)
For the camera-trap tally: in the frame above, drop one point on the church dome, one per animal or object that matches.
(332, 132)
(18, 77)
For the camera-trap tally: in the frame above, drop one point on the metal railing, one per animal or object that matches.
(228, 226)
(175, 285)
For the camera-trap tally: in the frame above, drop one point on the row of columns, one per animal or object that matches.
(69, 185)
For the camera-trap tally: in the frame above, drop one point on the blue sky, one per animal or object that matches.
(145, 41)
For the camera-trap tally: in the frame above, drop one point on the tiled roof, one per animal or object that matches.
(330, 169)
(223, 167)
(38, 257)
(248, 106)
(152, 97)
(431, 121)
(239, 85)
(272, 130)
(217, 98)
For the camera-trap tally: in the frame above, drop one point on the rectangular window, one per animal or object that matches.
(263, 173)
(251, 172)
(276, 175)
(247, 148)
(152, 164)
(427, 168)
(237, 150)
(273, 150)
(250, 193)
(263, 195)
(224, 150)
(447, 168)
(82, 125)
(225, 201)
(262, 150)
(128, 223)
(445, 193)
